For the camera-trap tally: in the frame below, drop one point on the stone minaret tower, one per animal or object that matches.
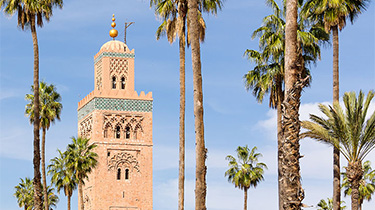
(119, 121)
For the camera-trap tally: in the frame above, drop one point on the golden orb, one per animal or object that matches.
(113, 24)
(113, 33)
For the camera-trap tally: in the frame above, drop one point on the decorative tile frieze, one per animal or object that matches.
(114, 54)
(115, 104)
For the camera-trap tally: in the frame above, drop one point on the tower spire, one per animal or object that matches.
(113, 32)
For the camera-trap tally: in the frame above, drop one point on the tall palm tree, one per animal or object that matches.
(24, 193)
(50, 109)
(348, 132)
(30, 14)
(174, 14)
(366, 186)
(61, 176)
(246, 171)
(81, 160)
(334, 13)
(53, 199)
(268, 74)
(292, 191)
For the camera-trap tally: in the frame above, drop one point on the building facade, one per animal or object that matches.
(119, 121)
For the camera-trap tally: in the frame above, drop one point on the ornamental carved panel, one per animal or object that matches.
(118, 66)
(85, 127)
(127, 126)
(98, 78)
(123, 160)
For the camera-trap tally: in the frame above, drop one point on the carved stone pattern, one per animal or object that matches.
(85, 127)
(123, 159)
(134, 122)
(118, 67)
(98, 75)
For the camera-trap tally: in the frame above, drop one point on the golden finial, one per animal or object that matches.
(113, 32)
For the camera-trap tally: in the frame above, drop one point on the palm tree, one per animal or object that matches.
(174, 14)
(348, 132)
(366, 185)
(292, 192)
(25, 193)
(53, 199)
(81, 159)
(50, 109)
(333, 14)
(327, 205)
(30, 14)
(61, 176)
(246, 171)
(268, 74)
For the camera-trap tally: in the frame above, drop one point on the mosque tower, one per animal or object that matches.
(119, 121)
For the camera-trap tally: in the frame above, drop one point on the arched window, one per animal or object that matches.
(113, 82)
(118, 132)
(123, 83)
(126, 174)
(119, 174)
(127, 132)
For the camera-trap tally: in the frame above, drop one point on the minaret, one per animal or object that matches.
(119, 121)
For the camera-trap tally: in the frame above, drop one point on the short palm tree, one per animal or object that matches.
(30, 14)
(366, 186)
(174, 14)
(348, 131)
(53, 199)
(81, 160)
(246, 171)
(50, 109)
(61, 176)
(25, 193)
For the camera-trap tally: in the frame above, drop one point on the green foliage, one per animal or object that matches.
(327, 205)
(50, 106)
(245, 171)
(348, 131)
(28, 11)
(81, 158)
(25, 194)
(267, 76)
(61, 176)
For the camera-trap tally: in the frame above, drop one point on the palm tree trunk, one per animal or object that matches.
(292, 191)
(336, 95)
(38, 205)
(46, 207)
(80, 195)
(280, 98)
(181, 176)
(200, 149)
(69, 197)
(245, 198)
(355, 174)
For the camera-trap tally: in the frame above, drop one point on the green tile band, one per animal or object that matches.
(114, 104)
(114, 54)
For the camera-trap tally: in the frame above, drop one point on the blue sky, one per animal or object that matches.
(232, 116)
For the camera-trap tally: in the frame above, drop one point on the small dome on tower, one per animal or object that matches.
(114, 46)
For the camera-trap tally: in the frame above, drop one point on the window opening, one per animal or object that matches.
(123, 83)
(127, 132)
(113, 82)
(108, 154)
(118, 132)
(105, 133)
(119, 174)
(126, 173)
